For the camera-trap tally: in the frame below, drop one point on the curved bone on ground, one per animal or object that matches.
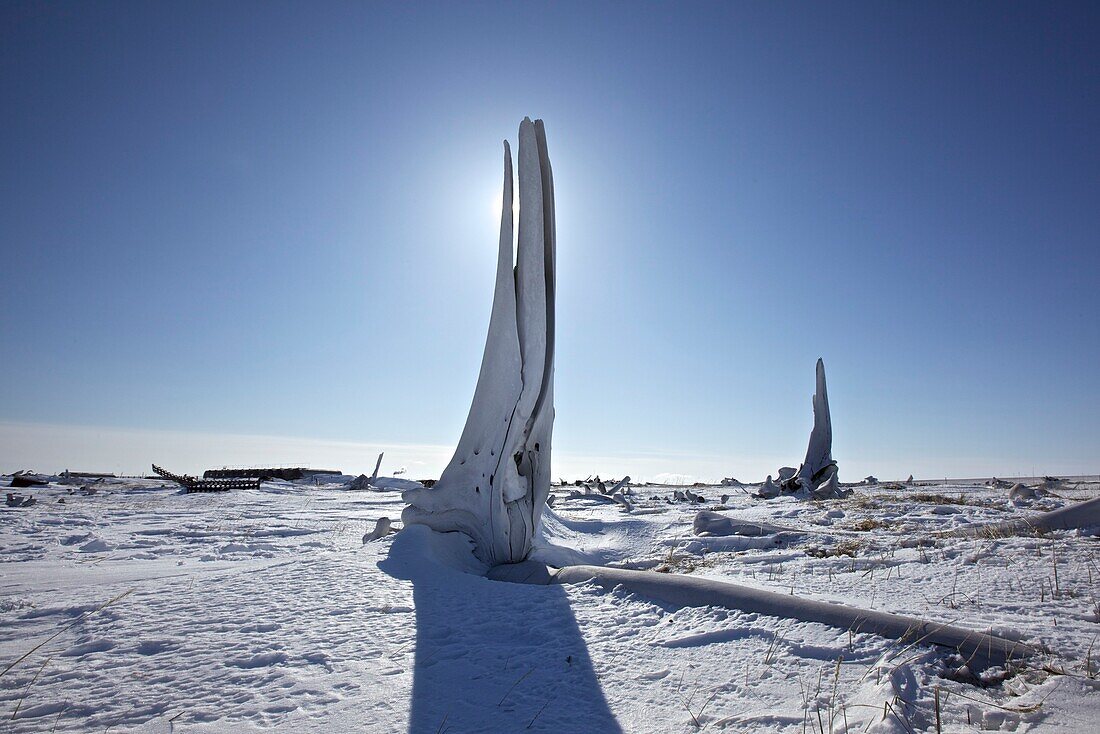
(830, 489)
(1021, 492)
(382, 528)
(594, 496)
(1071, 517)
(978, 648)
(712, 523)
(619, 485)
(622, 500)
(769, 489)
(785, 473)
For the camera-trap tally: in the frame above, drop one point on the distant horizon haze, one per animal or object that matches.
(132, 451)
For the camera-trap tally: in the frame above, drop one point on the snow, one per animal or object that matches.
(141, 608)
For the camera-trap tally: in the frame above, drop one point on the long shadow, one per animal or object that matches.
(493, 656)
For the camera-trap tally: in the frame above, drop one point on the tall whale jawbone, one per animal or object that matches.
(819, 465)
(497, 483)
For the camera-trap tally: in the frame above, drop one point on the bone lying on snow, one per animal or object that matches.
(626, 504)
(382, 528)
(620, 485)
(712, 523)
(1021, 493)
(981, 650)
(768, 489)
(1076, 516)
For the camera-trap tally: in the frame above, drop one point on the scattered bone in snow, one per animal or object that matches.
(377, 464)
(1021, 493)
(712, 523)
(830, 489)
(382, 528)
(1077, 515)
(361, 482)
(981, 650)
(768, 489)
(620, 485)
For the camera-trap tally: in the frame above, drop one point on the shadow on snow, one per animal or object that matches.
(493, 656)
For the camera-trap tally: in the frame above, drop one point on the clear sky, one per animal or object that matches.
(221, 222)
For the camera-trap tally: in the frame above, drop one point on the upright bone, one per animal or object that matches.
(818, 465)
(497, 483)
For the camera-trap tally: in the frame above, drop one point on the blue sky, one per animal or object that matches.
(236, 220)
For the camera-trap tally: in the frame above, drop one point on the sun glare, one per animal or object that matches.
(497, 206)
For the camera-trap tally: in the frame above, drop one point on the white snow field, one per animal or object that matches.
(140, 608)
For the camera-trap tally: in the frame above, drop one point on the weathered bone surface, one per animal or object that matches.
(712, 523)
(830, 489)
(497, 483)
(377, 464)
(819, 453)
(980, 649)
(769, 489)
(621, 484)
(1073, 516)
(382, 528)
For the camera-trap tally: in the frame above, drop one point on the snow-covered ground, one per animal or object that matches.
(142, 608)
